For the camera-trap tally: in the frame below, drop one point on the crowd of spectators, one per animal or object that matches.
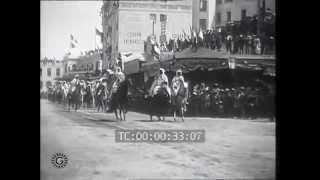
(235, 101)
(248, 43)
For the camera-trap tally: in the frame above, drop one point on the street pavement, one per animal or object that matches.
(233, 148)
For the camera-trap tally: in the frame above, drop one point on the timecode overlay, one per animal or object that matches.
(159, 136)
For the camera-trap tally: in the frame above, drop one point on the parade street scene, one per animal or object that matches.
(166, 90)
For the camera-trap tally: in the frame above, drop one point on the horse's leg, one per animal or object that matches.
(182, 112)
(121, 113)
(124, 114)
(116, 113)
(174, 115)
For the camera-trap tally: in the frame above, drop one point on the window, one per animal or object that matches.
(153, 17)
(218, 18)
(219, 2)
(58, 72)
(203, 24)
(228, 16)
(203, 5)
(227, 1)
(243, 14)
(74, 68)
(163, 18)
(49, 72)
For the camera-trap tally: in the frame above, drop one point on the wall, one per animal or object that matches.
(135, 25)
(236, 6)
(197, 14)
(44, 77)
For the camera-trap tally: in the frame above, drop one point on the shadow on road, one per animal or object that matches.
(165, 121)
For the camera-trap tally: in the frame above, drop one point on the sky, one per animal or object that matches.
(60, 19)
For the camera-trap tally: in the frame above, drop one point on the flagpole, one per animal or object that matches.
(94, 35)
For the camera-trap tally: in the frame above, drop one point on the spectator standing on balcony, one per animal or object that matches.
(241, 44)
(252, 45)
(212, 40)
(257, 45)
(218, 41)
(271, 41)
(235, 44)
(229, 43)
(264, 40)
(248, 44)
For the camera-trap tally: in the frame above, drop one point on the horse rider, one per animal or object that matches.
(178, 80)
(162, 77)
(119, 78)
(76, 80)
(120, 75)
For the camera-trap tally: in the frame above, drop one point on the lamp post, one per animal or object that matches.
(153, 19)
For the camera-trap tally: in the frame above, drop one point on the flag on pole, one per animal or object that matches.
(201, 34)
(99, 33)
(74, 42)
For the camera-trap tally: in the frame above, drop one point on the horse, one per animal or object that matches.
(100, 99)
(87, 98)
(74, 97)
(59, 95)
(179, 99)
(160, 104)
(119, 99)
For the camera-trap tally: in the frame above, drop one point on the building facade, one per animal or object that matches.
(85, 65)
(50, 69)
(234, 10)
(128, 24)
(203, 12)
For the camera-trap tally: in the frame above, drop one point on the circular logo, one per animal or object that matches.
(59, 160)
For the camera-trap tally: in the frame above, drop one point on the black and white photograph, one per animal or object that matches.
(158, 89)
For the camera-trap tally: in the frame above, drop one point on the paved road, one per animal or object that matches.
(233, 148)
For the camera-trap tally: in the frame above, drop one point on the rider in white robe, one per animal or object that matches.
(158, 82)
(177, 82)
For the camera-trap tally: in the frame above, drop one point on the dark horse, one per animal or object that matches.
(74, 97)
(119, 99)
(160, 104)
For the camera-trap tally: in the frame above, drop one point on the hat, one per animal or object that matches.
(76, 76)
(179, 71)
